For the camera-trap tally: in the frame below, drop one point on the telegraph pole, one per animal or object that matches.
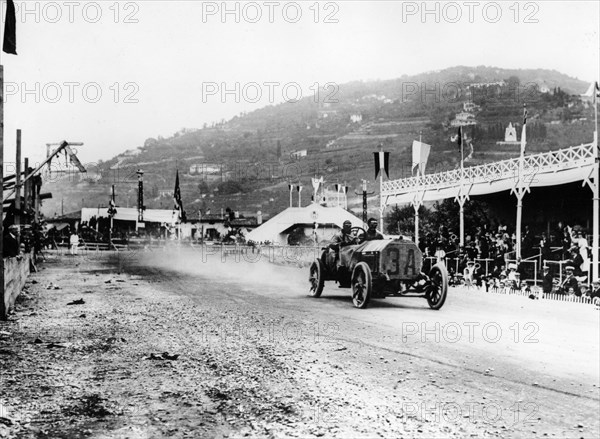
(140, 175)
(364, 196)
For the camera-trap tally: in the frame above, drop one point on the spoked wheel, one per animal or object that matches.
(362, 285)
(316, 278)
(438, 288)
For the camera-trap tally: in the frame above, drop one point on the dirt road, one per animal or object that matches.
(258, 357)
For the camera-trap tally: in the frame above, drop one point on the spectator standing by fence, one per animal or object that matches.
(594, 293)
(74, 243)
(570, 284)
(10, 248)
(547, 281)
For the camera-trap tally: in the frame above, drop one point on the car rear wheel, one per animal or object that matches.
(438, 287)
(317, 282)
(362, 285)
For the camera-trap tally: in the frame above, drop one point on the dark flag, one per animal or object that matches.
(177, 197)
(459, 139)
(10, 29)
(382, 161)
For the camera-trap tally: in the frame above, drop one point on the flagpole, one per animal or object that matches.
(461, 200)
(3, 309)
(520, 192)
(381, 206)
(596, 202)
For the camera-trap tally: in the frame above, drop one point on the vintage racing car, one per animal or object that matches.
(379, 269)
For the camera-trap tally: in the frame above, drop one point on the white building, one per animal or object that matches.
(356, 118)
(510, 135)
(298, 154)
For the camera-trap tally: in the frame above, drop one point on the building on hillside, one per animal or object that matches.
(463, 118)
(298, 154)
(315, 222)
(510, 136)
(471, 107)
(544, 88)
(356, 118)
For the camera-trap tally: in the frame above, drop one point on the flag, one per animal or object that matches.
(112, 211)
(420, 154)
(316, 182)
(523, 132)
(382, 160)
(290, 187)
(593, 92)
(177, 195)
(10, 29)
(299, 188)
(459, 139)
(470, 156)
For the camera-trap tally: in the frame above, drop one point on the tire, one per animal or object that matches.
(362, 285)
(438, 288)
(316, 279)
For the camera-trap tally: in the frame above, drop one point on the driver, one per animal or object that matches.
(372, 234)
(342, 239)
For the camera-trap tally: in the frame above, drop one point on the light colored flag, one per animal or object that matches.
(593, 91)
(316, 182)
(420, 155)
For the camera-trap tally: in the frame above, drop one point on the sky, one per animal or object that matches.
(112, 74)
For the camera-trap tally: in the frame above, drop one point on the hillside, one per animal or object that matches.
(246, 163)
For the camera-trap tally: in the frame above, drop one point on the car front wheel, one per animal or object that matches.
(362, 285)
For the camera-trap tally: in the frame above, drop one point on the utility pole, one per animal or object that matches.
(18, 192)
(364, 196)
(111, 213)
(3, 308)
(140, 175)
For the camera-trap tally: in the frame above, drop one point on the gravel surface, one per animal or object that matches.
(174, 345)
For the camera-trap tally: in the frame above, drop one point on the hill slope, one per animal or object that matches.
(245, 163)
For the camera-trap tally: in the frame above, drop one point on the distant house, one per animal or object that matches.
(356, 118)
(544, 88)
(205, 168)
(510, 135)
(470, 107)
(463, 118)
(487, 84)
(298, 154)
(324, 114)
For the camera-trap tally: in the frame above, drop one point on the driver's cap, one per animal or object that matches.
(347, 223)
